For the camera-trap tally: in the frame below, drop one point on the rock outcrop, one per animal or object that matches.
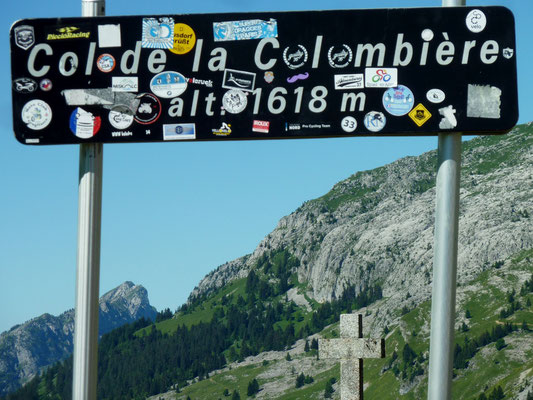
(377, 226)
(42, 341)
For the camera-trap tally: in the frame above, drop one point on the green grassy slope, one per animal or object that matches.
(484, 297)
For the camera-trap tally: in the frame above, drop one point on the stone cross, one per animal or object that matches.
(350, 349)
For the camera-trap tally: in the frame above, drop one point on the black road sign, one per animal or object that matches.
(268, 75)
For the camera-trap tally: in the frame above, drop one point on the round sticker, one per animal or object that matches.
(398, 100)
(36, 114)
(435, 96)
(349, 124)
(427, 35)
(106, 63)
(375, 121)
(168, 84)
(45, 85)
(340, 57)
(184, 39)
(120, 117)
(149, 109)
(234, 101)
(295, 56)
(84, 124)
(476, 21)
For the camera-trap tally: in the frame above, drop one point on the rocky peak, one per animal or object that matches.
(42, 341)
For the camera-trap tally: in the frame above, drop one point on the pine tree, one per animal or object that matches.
(236, 395)
(329, 389)
(300, 380)
(253, 387)
(525, 326)
(306, 347)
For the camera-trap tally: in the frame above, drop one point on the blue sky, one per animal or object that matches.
(172, 212)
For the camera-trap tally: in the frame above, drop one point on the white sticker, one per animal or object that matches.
(349, 81)
(349, 124)
(125, 84)
(179, 131)
(234, 101)
(375, 121)
(448, 120)
(36, 114)
(121, 117)
(168, 84)
(109, 36)
(435, 96)
(427, 35)
(476, 21)
(508, 53)
(381, 77)
(484, 101)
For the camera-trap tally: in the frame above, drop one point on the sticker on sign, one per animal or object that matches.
(381, 77)
(261, 126)
(349, 81)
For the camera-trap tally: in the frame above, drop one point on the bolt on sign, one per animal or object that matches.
(268, 75)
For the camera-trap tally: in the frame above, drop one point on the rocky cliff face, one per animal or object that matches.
(377, 226)
(42, 341)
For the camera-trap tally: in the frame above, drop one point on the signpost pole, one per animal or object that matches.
(88, 257)
(445, 261)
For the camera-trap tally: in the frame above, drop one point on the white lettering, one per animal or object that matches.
(259, 51)
(157, 57)
(135, 62)
(489, 48)
(31, 60)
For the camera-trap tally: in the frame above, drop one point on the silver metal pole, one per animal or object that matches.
(445, 261)
(85, 370)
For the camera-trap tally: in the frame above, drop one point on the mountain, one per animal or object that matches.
(44, 340)
(377, 226)
(365, 246)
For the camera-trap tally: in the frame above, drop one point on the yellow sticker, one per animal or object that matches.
(184, 39)
(420, 114)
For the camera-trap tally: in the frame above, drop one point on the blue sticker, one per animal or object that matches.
(179, 131)
(398, 100)
(245, 30)
(158, 33)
